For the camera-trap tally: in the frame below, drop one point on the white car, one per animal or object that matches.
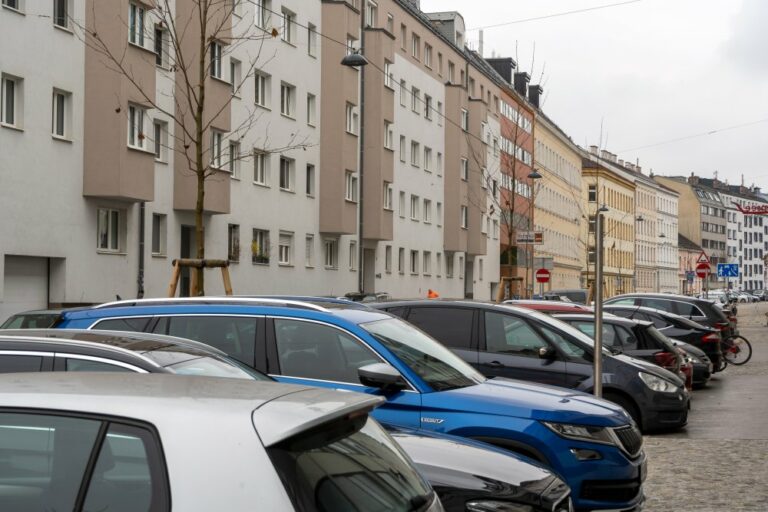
(154, 443)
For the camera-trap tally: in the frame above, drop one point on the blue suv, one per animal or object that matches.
(591, 443)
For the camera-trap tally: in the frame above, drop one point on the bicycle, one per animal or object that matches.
(737, 350)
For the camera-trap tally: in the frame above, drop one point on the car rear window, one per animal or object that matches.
(349, 465)
(11, 363)
(450, 326)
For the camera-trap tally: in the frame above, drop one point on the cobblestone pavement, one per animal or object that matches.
(719, 462)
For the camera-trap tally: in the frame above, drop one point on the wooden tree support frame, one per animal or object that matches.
(178, 264)
(502, 289)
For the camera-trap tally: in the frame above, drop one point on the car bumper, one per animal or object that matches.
(666, 411)
(701, 373)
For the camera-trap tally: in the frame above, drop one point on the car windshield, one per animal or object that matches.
(431, 361)
(201, 364)
(30, 321)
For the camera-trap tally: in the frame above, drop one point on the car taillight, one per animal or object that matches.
(733, 320)
(721, 326)
(667, 360)
(710, 338)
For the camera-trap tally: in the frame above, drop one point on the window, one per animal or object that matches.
(484, 177)
(350, 186)
(261, 97)
(10, 107)
(427, 213)
(449, 265)
(217, 139)
(136, 24)
(309, 250)
(351, 43)
(402, 148)
(352, 255)
(60, 111)
(286, 173)
(315, 351)
(427, 263)
(506, 334)
(389, 76)
(388, 195)
(331, 250)
(464, 120)
(262, 13)
(389, 135)
(235, 76)
(233, 164)
(464, 169)
(13, 4)
(233, 242)
(414, 207)
(401, 260)
(415, 96)
(285, 249)
(371, 13)
(439, 63)
(287, 99)
(10, 363)
(428, 107)
(311, 40)
(464, 215)
(439, 213)
(402, 204)
(403, 92)
(427, 158)
(414, 262)
(450, 326)
(160, 140)
(311, 109)
(451, 72)
(439, 113)
(461, 267)
(390, 23)
(159, 222)
(260, 246)
(592, 193)
(136, 116)
(439, 164)
(351, 116)
(427, 55)
(415, 45)
(414, 153)
(108, 229)
(61, 13)
(259, 168)
(288, 28)
(231, 334)
(388, 259)
(215, 68)
(310, 180)
(403, 36)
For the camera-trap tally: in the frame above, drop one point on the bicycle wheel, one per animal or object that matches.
(738, 351)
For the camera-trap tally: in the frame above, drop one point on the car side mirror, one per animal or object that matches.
(547, 353)
(382, 376)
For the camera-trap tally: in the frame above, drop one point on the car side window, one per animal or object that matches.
(20, 363)
(84, 365)
(623, 302)
(588, 328)
(397, 311)
(507, 334)
(231, 334)
(563, 343)
(687, 310)
(625, 338)
(450, 326)
(315, 351)
(662, 304)
(122, 324)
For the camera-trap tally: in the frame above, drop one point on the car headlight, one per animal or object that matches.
(497, 506)
(581, 432)
(693, 359)
(657, 383)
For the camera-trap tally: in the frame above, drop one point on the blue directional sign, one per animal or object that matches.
(727, 270)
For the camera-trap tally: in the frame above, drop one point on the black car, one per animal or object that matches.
(508, 341)
(676, 327)
(703, 311)
(37, 319)
(702, 366)
(107, 351)
(469, 475)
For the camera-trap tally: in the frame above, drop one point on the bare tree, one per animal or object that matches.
(197, 35)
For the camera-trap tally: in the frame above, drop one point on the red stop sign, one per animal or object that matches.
(702, 270)
(542, 275)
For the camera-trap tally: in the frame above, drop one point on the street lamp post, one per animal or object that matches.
(533, 176)
(598, 356)
(357, 60)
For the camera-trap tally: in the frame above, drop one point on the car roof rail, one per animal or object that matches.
(212, 300)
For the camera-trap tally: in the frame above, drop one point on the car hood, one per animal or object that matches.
(649, 367)
(507, 397)
(463, 469)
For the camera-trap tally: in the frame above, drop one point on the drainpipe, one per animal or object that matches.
(140, 277)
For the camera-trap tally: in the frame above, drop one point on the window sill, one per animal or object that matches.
(311, 125)
(159, 255)
(309, 266)
(351, 133)
(231, 261)
(288, 116)
(61, 139)
(141, 150)
(289, 43)
(260, 264)
(22, 13)
(285, 265)
(220, 80)
(64, 29)
(331, 268)
(288, 190)
(233, 177)
(263, 106)
(142, 48)
(161, 161)
(12, 126)
(389, 149)
(311, 196)
(349, 201)
(262, 185)
(388, 209)
(111, 253)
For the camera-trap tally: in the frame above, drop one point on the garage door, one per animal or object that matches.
(25, 285)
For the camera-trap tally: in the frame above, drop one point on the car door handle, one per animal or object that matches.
(495, 364)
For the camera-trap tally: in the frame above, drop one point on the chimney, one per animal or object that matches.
(480, 44)
(693, 179)
(504, 66)
(593, 150)
(629, 165)
(639, 169)
(534, 94)
(621, 162)
(521, 83)
(605, 155)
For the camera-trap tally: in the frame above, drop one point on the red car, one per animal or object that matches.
(550, 307)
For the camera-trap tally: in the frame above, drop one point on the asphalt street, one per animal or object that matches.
(719, 462)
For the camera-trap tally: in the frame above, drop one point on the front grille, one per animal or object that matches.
(631, 439)
(610, 490)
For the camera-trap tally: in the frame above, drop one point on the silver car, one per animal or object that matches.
(154, 443)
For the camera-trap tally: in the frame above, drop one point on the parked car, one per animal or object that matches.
(129, 443)
(702, 366)
(38, 319)
(591, 443)
(637, 339)
(469, 475)
(577, 295)
(507, 341)
(699, 310)
(114, 351)
(550, 307)
(676, 327)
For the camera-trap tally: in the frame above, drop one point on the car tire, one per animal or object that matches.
(627, 404)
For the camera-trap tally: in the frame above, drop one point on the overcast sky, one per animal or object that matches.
(649, 71)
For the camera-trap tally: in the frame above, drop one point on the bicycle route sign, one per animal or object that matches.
(727, 270)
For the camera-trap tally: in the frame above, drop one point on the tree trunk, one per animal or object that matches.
(199, 162)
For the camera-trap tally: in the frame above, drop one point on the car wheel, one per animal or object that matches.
(626, 404)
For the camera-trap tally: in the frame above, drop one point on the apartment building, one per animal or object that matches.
(702, 219)
(558, 203)
(688, 255)
(667, 261)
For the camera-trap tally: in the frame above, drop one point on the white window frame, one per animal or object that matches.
(389, 135)
(464, 119)
(60, 19)
(426, 263)
(137, 116)
(402, 148)
(235, 76)
(414, 207)
(217, 149)
(352, 255)
(463, 217)
(260, 167)
(309, 176)
(60, 113)
(350, 186)
(331, 253)
(427, 211)
(388, 259)
(311, 109)
(233, 243)
(262, 13)
(13, 118)
(403, 92)
(428, 55)
(464, 169)
(286, 177)
(113, 230)
(216, 52)
(415, 98)
(439, 213)
(414, 262)
(160, 139)
(260, 248)
(261, 89)
(428, 107)
(287, 99)
(287, 25)
(309, 250)
(371, 13)
(351, 117)
(389, 76)
(427, 159)
(159, 233)
(137, 17)
(233, 160)
(311, 40)
(285, 249)
(415, 45)
(401, 204)
(415, 153)
(389, 193)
